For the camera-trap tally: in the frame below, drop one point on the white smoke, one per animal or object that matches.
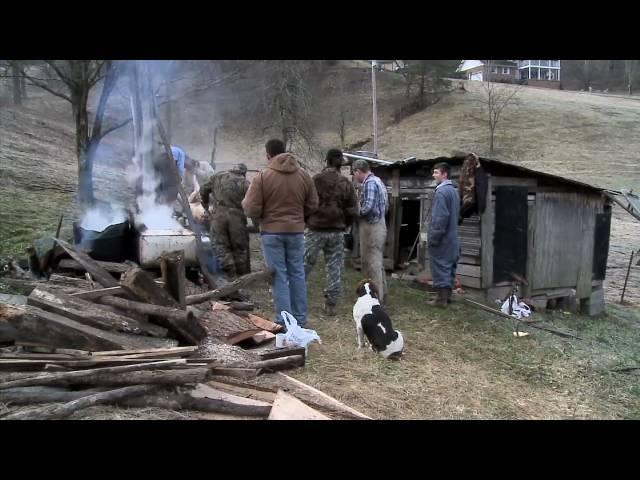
(101, 216)
(156, 216)
(152, 213)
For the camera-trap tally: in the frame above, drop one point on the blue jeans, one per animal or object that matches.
(285, 254)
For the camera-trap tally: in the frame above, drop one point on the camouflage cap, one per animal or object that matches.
(239, 168)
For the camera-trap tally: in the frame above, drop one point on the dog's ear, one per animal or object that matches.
(360, 290)
(373, 289)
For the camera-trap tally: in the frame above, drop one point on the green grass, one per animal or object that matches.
(29, 215)
(464, 363)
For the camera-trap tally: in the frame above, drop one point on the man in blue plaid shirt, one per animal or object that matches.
(372, 225)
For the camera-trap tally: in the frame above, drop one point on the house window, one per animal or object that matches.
(506, 70)
(494, 69)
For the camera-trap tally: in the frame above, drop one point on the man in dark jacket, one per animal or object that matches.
(279, 199)
(444, 245)
(337, 207)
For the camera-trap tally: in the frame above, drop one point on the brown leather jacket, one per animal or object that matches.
(338, 204)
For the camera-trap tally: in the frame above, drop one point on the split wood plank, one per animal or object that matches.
(68, 409)
(102, 276)
(91, 314)
(287, 407)
(51, 378)
(323, 396)
(35, 325)
(113, 267)
(231, 287)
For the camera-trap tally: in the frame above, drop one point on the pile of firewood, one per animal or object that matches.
(141, 341)
(169, 378)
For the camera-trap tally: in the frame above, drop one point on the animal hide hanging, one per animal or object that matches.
(472, 187)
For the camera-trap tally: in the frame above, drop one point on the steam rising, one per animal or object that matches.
(102, 216)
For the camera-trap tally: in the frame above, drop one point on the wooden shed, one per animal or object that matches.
(551, 231)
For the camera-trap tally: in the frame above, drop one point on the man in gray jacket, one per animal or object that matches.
(444, 245)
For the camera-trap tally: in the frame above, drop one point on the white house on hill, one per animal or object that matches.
(543, 73)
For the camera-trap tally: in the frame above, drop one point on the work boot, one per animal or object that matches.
(449, 294)
(441, 298)
(329, 308)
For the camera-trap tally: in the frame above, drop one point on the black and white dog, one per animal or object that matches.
(371, 320)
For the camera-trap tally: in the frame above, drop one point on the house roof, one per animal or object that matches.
(464, 66)
(492, 166)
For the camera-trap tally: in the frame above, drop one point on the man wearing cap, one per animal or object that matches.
(337, 208)
(372, 227)
(222, 196)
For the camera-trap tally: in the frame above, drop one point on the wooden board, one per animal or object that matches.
(17, 364)
(100, 292)
(207, 391)
(487, 228)
(240, 336)
(322, 397)
(70, 264)
(178, 351)
(38, 326)
(270, 353)
(267, 325)
(469, 270)
(287, 407)
(245, 391)
(262, 337)
(471, 282)
(221, 323)
(564, 237)
(91, 314)
(469, 260)
(97, 272)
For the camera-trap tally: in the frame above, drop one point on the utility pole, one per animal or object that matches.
(375, 107)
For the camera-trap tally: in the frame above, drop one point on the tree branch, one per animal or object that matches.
(65, 78)
(95, 76)
(116, 127)
(107, 88)
(43, 86)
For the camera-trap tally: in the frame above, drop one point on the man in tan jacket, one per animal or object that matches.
(279, 200)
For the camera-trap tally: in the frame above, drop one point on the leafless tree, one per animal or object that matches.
(73, 82)
(630, 73)
(494, 99)
(287, 100)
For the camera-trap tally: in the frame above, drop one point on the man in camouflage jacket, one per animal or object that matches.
(224, 193)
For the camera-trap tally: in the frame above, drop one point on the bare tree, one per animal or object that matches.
(287, 99)
(339, 92)
(216, 129)
(630, 73)
(494, 99)
(74, 81)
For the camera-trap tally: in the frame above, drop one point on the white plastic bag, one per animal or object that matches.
(519, 309)
(296, 335)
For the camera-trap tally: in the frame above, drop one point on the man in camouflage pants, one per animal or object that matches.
(228, 221)
(325, 228)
